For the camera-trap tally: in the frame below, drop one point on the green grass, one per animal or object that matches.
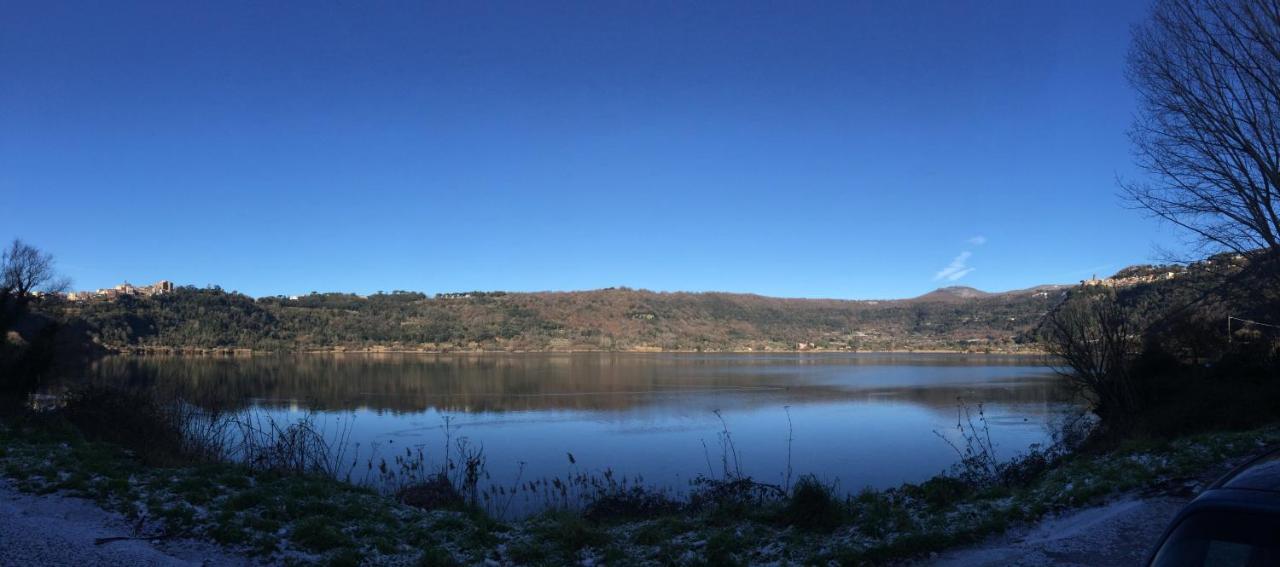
(660, 531)
(319, 534)
(724, 548)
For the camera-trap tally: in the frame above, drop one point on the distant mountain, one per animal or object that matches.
(953, 293)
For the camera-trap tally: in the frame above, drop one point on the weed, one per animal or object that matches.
(632, 503)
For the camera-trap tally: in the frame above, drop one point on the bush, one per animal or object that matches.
(128, 418)
(813, 506)
(1196, 400)
(940, 491)
(633, 503)
(436, 493)
(733, 492)
(1095, 336)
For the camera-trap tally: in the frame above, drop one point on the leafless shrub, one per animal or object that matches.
(732, 487)
(203, 433)
(979, 465)
(302, 446)
(1096, 340)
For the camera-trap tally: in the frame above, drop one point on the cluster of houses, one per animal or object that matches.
(1130, 280)
(159, 288)
(1145, 274)
(469, 294)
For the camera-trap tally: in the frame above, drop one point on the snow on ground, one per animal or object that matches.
(59, 530)
(1120, 533)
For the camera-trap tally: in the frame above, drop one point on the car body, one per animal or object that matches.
(1235, 522)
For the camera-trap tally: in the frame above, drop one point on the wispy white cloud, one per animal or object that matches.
(978, 240)
(958, 268)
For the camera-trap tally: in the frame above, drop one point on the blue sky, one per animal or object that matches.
(851, 149)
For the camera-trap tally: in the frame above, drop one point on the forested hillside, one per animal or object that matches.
(1180, 300)
(608, 319)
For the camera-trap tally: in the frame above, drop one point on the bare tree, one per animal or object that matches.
(1095, 338)
(24, 269)
(1208, 128)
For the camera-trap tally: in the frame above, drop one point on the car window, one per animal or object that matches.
(1222, 539)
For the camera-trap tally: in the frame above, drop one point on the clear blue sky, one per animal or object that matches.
(836, 149)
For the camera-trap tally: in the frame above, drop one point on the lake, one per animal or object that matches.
(859, 419)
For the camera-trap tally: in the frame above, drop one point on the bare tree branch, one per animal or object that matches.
(1208, 131)
(25, 269)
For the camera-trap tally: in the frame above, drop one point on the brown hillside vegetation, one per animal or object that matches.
(615, 319)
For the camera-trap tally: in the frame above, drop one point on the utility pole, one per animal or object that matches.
(1246, 322)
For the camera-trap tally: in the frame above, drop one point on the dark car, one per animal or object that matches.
(1235, 522)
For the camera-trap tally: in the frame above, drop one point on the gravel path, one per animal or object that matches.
(1119, 533)
(60, 530)
(1122, 532)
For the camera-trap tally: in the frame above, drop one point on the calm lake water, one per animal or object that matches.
(861, 419)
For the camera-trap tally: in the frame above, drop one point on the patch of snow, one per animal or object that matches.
(1073, 524)
(54, 529)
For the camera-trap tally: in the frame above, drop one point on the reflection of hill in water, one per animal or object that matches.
(412, 383)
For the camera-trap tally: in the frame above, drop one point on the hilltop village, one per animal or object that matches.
(1150, 274)
(159, 288)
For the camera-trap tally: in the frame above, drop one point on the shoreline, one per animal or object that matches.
(274, 518)
(242, 352)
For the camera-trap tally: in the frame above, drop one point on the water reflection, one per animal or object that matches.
(406, 383)
(864, 419)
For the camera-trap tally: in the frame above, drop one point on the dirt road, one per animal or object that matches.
(1120, 533)
(60, 530)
